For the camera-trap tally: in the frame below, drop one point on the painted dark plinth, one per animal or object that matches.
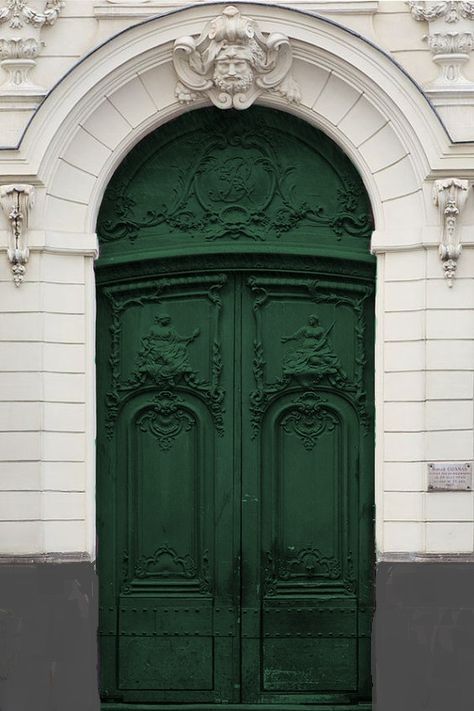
(48, 633)
(424, 636)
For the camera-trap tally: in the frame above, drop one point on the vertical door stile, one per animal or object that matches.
(251, 504)
(238, 455)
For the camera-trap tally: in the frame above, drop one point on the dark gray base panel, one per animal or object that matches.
(48, 637)
(423, 637)
(423, 656)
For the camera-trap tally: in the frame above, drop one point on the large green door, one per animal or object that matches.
(235, 422)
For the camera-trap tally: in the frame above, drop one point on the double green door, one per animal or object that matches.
(235, 499)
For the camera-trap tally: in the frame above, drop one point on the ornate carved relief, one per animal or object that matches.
(234, 198)
(450, 39)
(163, 361)
(163, 354)
(307, 564)
(166, 419)
(16, 202)
(308, 419)
(313, 359)
(167, 564)
(313, 355)
(18, 52)
(449, 11)
(232, 63)
(449, 195)
(230, 181)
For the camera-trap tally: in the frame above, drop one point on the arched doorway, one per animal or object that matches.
(235, 417)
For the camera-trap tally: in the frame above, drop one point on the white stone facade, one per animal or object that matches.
(362, 66)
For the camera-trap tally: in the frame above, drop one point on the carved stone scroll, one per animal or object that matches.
(449, 195)
(16, 202)
(232, 63)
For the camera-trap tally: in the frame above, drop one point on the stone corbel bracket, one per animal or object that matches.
(449, 195)
(16, 202)
(20, 45)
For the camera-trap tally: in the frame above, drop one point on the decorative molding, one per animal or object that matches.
(18, 53)
(450, 40)
(232, 63)
(141, 9)
(16, 202)
(449, 195)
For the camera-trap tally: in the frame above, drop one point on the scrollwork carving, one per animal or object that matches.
(166, 562)
(232, 63)
(166, 419)
(238, 188)
(306, 565)
(309, 418)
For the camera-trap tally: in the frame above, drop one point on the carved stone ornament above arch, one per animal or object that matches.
(126, 88)
(232, 63)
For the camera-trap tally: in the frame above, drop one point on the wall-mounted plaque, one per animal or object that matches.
(450, 476)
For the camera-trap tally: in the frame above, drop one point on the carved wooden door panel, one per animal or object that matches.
(235, 485)
(166, 531)
(306, 483)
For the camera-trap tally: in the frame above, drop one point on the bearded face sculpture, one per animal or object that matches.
(233, 71)
(232, 63)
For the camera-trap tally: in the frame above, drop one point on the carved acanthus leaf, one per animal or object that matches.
(450, 195)
(232, 63)
(17, 201)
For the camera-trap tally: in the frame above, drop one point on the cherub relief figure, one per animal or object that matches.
(313, 354)
(232, 63)
(164, 353)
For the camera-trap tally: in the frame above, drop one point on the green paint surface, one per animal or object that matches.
(235, 418)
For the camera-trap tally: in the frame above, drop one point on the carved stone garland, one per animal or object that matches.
(232, 63)
(449, 195)
(18, 52)
(16, 202)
